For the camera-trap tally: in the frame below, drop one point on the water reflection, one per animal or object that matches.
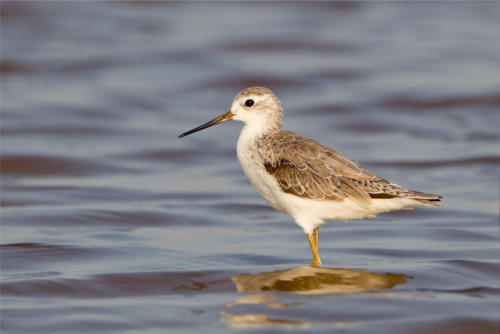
(303, 281)
(309, 280)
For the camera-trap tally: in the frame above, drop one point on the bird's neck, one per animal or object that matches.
(258, 128)
(255, 130)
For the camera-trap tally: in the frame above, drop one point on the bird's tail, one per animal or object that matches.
(385, 189)
(391, 190)
(424, 198)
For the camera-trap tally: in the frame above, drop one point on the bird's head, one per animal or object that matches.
(257, 107)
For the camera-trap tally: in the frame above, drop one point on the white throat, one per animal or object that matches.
(248, 135)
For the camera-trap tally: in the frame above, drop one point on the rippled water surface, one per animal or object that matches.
(112, 224)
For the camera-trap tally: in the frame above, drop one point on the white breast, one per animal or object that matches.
(254, 169)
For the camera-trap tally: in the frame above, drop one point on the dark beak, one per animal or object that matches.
(222, 118)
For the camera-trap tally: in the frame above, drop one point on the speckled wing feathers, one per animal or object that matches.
(306, 168)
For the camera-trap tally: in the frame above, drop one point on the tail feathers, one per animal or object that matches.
(424, 198)
(431, 202)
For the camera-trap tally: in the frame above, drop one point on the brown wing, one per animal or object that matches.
(307, 168)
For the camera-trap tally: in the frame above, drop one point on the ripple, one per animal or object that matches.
(177, 156)
(96, 218)
(232, 83)
(410, 102)
(61, 66)
(122, 284)
(271, 45)
(43, 165)
(14, 67)
(18, 9)
(343, 74)
(329, 109)
(485, 160)
(371, 128)
(22, 256)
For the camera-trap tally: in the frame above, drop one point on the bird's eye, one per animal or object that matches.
(249, 102)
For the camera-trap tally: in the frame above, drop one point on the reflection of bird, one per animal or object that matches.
(307, 280)
(304, 178)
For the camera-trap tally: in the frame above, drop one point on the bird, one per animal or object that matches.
(299, 176)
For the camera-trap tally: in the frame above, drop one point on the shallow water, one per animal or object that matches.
(112, 224)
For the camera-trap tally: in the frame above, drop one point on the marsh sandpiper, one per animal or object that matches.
(304, 178)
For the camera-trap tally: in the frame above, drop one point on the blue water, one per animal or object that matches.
(109, 223)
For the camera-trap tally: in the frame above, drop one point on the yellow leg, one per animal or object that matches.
(316, 238)
(314, 249)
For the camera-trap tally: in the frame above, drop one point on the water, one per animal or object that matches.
(112, 224)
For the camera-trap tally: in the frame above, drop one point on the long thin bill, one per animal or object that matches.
(222, 118)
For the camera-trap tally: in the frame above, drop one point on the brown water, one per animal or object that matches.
(112, 224)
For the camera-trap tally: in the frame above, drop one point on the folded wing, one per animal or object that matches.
(307, 168)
